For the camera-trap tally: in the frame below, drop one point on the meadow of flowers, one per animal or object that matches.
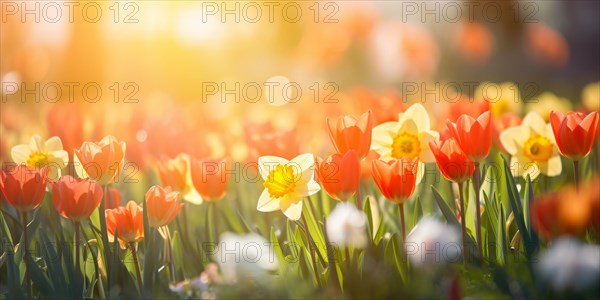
(395, 185)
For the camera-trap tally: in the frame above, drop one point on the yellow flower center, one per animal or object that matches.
(538, 148)
(406, 145)
(281, 181)
(37, 160)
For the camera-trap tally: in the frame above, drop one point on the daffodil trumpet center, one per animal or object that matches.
(406, 145)
(281, 181)
(538, 148)
(37, 160)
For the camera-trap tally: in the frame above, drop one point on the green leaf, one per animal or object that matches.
(40, 279)
(515, 203)
(367, 210)
(446, 211)
(501, 242)
(178, 252)
(527, 203)
(53, 263)
(416, 215)
(5, 231)
(150, 258)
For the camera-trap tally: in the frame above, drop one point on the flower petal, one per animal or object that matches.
(20, 153)
(266, 164)
(266, 203)
(291, 208)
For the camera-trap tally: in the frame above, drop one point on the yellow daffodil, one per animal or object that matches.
(547, 102)
(408, 138)
(532, 147)
(176, 173)
(286, 183)
(503, 97)
(41, 153)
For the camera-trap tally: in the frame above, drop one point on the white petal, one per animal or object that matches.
(292, 208)
(305, 165)
(420, 172)
(418, 113)
(534, 121)
(61, 157)
(310, 188)
(266, 203)
(53, 144)
(511, 137)
(554, 166)
(37, 144)
(266, 164)
(192, 196)
(79, 167)
(20, 153)
(425, 138)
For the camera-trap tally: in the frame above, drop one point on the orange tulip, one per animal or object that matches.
(575, 133)
(568, 211)
(162, 205)
(340, 174)
(210, 177)
(396, 179)
(100, 161)
(128, 221)
(173, 172)
(352, 134)
(505, 121)
(474, 136)
(24, 187)
(451, 160)
(76, 199)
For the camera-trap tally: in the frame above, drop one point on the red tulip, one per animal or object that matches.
(340, 174)
(474, 136)
(396, 179)
(112, 199)
(128, 221)
(24, 187)
(575, 133)
(210, 177)
(452, 161)
(162, 205)
(76, 199)
(352, 134)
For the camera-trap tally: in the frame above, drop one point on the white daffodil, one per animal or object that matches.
(41, 153)
(347, 226)
(532, 147)
(409, 137)
(286, 183)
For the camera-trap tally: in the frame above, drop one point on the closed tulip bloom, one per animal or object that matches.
(162, 205)
(350, 133)
(474, 136)
(396, 179)
(24, 187)
(210, 177)
(76, 199)
(340, 174)
(102, 161)
(452, 161)
(128, 220)
(175, 172)
(574, 133)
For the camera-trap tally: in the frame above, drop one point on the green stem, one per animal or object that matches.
(477, 186)
(137, 266)
(402, 222)
(576, 170)
(104, 234)
(463, 222)
(77, 253)
(312, 250)
(26, 254)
